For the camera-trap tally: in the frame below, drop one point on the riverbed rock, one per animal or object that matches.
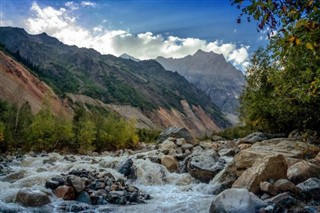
(180, 141)
(83, 197)
(177, 132)
(302, 171)
(77, 183)
(271, 167)
(187, 146)
(235, 201)
(127, 169)
(65, 192)
(166, 146)
(265, 186)
(284, 185)
(204, 167)
(32, 198)
(283, 200)
(170, 163)
(310, 188)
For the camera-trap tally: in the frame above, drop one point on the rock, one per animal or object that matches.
(284, 200)
(83, 197)
(180, 141)
(244, 146)
(65, 192)
(12, 177)
(270, 167)
(255, 137)
(179, 150)
(284, 185)
(172, 152)
(170, 163)
(228, 152)
(166, 146)
(117, 197)
(217, 138)
(291, 149)
(32, 198)
(204, 167)
(310, 188)
(268, 187)
(302, 171)
(127, 169)
(234, 201)
(52, 184)
(77, 183)
(177, 132)
(187, 146)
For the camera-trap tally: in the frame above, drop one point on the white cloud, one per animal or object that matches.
(62, 25)
(87, 4)
(3, 21)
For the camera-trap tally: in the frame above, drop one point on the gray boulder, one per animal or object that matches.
(177, 132)
(32, 198)
(236, 201)
(310, 188)
(204, 167)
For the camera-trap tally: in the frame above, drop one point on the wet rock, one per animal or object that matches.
(270, 167)
(177, 132)
(32, 198)
(284, 185)
(77, 183)
(83, 197)
(284, 200)
(302, 171)
(187, 146)
(117, 197)
(65, 192)
(127, 169)
(204, 167)
(234, 201)
(70, 158)
(12, 177)
(170, 163)
(52, 184)
(73, 206)
(310, 189)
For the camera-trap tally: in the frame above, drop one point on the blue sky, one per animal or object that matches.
(142, 28)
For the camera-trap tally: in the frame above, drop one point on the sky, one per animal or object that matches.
(143, 29)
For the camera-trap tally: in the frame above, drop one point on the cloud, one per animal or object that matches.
(87, 4)
(61, 24)
(4, 22)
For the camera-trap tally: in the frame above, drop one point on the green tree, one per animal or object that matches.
(283, 90)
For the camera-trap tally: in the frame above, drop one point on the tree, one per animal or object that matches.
(283, 90)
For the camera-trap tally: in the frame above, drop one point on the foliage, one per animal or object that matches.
(283, 91)
(235, 132)
(116, 133)
(148, 135)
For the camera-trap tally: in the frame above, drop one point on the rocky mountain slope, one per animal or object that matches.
(211, 73)
(18, 85)
(162, 96)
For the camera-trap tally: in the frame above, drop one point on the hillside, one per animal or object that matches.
(144, 85)
(211, 73)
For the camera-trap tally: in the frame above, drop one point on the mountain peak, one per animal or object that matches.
(127, 56)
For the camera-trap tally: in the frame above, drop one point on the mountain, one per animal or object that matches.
(18, 85)
(126, 56)
(165, 98)
(211, 73)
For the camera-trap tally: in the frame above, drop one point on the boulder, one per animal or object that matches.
(170, 163)
(127, 169)
(217, 138)
(302, 171)
(310, 188)
(32, 198)
(180, 141)
(291, 149)
(177, 132)
(83, 197)
(268, 187)
(255, 137)
(187, 146)
(271, 167)
(235, 201)
(65, 192)
(283, 200)
(166, 146)
(77, 183)
(204, 167)
(284, 185)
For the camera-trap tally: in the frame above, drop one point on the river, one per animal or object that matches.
(170, 192)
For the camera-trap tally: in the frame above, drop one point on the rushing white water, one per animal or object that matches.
(170, 192)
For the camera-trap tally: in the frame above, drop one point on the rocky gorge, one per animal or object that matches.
(259, 173)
